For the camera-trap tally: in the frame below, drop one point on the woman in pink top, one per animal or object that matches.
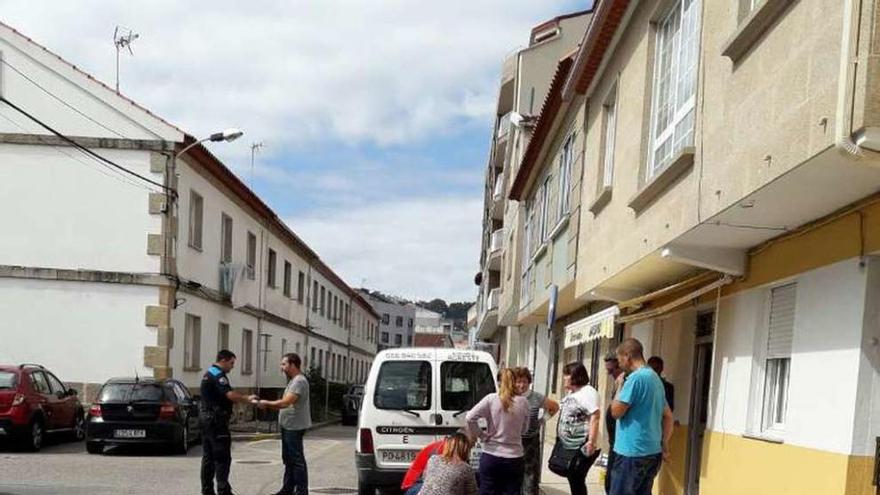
(507, 419)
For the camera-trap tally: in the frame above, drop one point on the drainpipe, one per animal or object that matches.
(843, 122)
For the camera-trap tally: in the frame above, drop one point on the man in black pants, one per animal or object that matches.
(214, 414)
(612, 366)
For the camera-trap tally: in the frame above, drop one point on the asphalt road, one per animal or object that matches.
(256, 468)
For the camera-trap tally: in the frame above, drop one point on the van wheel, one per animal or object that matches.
(365, 489)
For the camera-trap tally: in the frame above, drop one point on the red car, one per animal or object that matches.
(34, 402)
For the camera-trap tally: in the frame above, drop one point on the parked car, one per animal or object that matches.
(33, 403)
(351, 404)
(413, 397)
(142, 411)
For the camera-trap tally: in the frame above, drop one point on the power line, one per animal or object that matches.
(58, 98)
(108, 173)
(84, 149)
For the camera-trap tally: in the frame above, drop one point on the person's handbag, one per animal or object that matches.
(565, 461)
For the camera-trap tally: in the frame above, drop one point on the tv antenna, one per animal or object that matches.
(122, 38)
(254, 148)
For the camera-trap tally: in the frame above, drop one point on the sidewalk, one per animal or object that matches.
(251, 431)
(552, 484)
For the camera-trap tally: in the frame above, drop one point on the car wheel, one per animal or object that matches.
(366, 489)
(183, 445)
(79, 427)
(34, 438)
(94, 448)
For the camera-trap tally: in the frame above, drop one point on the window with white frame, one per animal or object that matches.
(777, 362)
(271, 269)
(222, 336)
(610, 108)
(543, 229)
(251, 255)
(225, 238)
(196, 210)
(192, 340)
(247, 351)
(674, 88)
(566, 157)
(288, 273)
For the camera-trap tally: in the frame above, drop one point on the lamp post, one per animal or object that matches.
(227, 135)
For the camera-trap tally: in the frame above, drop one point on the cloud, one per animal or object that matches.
(295, 73)
(421, 248)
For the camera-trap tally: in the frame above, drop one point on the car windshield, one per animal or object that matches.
(404, 385)
(131, 392)
(464, 384)
(8, 380)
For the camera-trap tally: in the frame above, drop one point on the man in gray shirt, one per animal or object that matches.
(294, 417)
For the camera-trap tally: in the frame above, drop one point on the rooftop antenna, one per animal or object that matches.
(122, 38)
(254, 148)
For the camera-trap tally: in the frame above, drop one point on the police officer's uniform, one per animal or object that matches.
(214, 415)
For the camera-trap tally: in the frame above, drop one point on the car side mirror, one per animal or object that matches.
(61, 394)
(72, 392)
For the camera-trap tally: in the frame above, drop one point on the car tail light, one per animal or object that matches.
(366, 441)
(18, 400)
(167, 411)
(95, 411)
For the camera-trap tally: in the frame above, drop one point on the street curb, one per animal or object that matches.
(256, 437)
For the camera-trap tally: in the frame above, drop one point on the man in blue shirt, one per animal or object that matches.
(644, 424)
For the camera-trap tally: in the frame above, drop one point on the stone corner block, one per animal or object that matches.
(157, 203)
(157, 163)
(155, 356)
(155, 244)
(156, 316)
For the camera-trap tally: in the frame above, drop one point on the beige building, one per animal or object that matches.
(525, 80)
(722, 208)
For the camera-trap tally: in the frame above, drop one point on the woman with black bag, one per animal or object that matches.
(578, 429)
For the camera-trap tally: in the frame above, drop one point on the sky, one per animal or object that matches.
(375, 116)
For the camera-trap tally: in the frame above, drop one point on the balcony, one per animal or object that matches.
(496, 249)
(488, 324)
(497, 207)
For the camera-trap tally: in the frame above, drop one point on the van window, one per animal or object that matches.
(403, 385)
(464, 384)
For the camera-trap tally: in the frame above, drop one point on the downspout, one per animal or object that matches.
(843, 122)
(260, 288)
(308, 315)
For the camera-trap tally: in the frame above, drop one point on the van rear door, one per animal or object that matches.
(403, 397)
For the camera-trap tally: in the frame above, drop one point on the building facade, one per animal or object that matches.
(723, 192)
(397, 320)
(140, 259)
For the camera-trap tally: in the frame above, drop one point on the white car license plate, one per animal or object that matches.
(130, 433)
(406, 456)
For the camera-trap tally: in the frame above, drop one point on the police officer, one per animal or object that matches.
(214, 414)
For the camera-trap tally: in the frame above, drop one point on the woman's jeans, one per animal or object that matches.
(500, 475)
(577, 481)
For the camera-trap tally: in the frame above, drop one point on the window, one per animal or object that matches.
(283, 347)
(271, 269)
(247, 351)
(545, 211)
(55, 383)
(314, 297)
(38, 380)
(398, 339)
(610, 109)
(409, 323)
(566, 156)
(674, 88)
(225, 238)
(464, 384)
(222, 336)
(297, 348)
(321, 361)
(384, 337)
(312, 357)
(347, 316)
(385, 318)
(251, 255)
(300, 287)
(332, 365)
(409, 340)
(196, 209)
(287, 277)
(778, 359)
(403, 385)
(323, 294)
(192, 336)
(398, 321)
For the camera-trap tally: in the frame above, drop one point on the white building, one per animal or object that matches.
(396, 320)
(118, 257)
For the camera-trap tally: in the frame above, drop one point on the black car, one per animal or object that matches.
(142, 411)
(351, 404)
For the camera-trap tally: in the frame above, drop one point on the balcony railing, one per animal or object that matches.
(504, 125)
(497, 240)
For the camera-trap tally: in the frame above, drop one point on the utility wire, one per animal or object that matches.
(107, 173)
(84, 149)
(56, 97)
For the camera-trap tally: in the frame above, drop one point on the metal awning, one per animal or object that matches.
(718, 282)
(592, 327)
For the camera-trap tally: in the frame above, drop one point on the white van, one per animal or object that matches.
(412, 397)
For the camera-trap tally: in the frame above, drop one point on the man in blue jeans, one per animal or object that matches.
(644, 423)
(295, 418)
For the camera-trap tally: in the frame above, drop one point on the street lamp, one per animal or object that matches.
(227, 135)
